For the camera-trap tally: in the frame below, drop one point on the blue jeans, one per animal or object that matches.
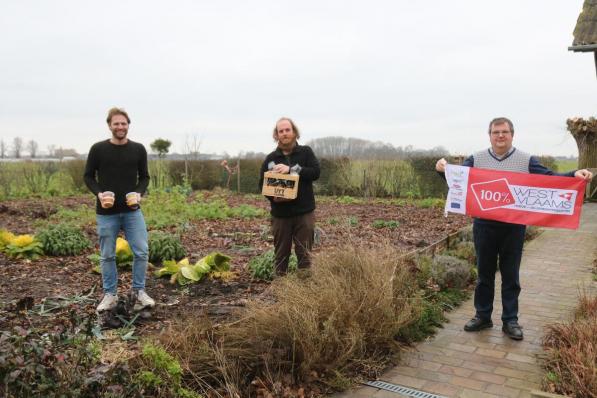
(135, 231)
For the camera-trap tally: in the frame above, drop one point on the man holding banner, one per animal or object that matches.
(491, 189)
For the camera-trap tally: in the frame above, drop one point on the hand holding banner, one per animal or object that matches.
(518, 198)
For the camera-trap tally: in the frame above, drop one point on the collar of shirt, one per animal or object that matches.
(503, 156)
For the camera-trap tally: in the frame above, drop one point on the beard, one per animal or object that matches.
(119, 135)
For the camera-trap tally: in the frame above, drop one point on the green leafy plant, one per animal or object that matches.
(385, 224)
(164, 246)
(352, 221)
(349, 200)
(160, 374)
(185, 273)
(62, 240)
(24, 246)
(6, 238)
(262, 266)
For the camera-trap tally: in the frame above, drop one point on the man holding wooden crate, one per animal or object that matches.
(287, 176)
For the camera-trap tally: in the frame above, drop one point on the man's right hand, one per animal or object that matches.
(441, 165)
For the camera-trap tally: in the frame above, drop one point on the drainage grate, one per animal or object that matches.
(406, 391)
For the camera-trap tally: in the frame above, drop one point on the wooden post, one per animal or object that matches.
(238, 176)
(595, 54)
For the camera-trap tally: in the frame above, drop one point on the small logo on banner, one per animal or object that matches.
(455, 205)
(566, 196)
(492, 194)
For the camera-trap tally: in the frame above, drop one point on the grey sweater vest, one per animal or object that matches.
(517, 161)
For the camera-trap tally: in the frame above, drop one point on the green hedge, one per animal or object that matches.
(414, 177)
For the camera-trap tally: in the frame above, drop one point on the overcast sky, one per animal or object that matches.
(405, 72)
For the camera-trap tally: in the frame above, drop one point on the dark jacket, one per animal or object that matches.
(304, 157)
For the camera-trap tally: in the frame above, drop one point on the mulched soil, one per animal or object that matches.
(26, 283)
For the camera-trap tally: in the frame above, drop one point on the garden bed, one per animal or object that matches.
(242, 235)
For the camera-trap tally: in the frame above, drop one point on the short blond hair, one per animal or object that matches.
(294, 128)
(117, 111)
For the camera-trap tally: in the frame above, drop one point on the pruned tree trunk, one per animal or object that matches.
(584, 132)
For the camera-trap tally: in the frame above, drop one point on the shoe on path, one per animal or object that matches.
(513, 330)
(108, 302)
(476, 324)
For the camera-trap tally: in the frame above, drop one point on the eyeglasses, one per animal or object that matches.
(500, 132)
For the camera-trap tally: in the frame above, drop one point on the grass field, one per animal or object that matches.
(566, 165)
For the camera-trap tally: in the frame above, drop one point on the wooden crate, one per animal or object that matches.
(280, 185)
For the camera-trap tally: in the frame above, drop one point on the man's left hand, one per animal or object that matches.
(583, 174)
(281, 168)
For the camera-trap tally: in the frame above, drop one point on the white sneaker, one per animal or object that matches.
(144, 299)
(108, 302)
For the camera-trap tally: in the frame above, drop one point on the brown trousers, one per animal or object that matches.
(297, 229)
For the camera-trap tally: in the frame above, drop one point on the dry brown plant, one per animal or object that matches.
(571, 352)
(340, 316)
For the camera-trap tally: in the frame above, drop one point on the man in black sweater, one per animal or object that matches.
(116, 173)
(292, 220)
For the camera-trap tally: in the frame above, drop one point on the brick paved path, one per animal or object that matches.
(488, 364)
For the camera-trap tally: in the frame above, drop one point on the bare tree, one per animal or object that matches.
(51, 151)
(3, 149)
(191, 152)
(584, 132)
(191, 147)
(64, 152)
(32, 148)
(17, 147)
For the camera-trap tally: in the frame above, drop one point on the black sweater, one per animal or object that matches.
(117, 168)
(309, 172)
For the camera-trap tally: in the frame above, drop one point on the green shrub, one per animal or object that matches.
(450, 272)
(465, 251)
(164, 246)
(262, 266)
(46, 364)
(80, 216)
(160, 374)
(430, 202)
(62, 240)
(431, 315)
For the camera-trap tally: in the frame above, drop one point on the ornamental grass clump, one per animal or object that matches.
(571, 352)
(341, 317)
